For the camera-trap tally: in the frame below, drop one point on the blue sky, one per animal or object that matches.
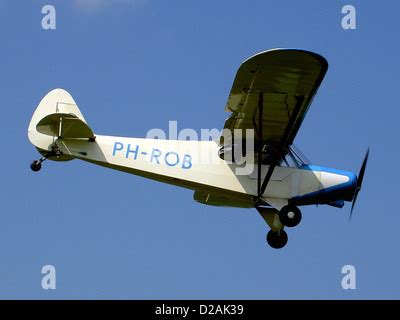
(135, 65)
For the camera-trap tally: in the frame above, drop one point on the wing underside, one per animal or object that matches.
(284, 82)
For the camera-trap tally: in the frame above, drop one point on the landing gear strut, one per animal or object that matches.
(277, 239)
(290, 216)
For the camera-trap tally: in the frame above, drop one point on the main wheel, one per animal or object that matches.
(36, 165)
(277, 239)
(290, 216)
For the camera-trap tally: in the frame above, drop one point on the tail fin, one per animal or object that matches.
(57, 117)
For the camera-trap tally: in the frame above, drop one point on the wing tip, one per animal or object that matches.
(318, 57)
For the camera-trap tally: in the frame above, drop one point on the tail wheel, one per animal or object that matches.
(36, 165)
(290, 216)
(277, 239)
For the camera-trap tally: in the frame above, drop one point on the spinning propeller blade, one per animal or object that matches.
(359, 182)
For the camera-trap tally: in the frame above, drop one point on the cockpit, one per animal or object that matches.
(293, 157)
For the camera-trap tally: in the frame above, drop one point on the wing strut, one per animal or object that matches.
(276, 153)
(259, 145)
(261, 187)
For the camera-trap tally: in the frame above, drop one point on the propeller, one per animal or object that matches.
(359, 182)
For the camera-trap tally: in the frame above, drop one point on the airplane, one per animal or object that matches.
(270, 96)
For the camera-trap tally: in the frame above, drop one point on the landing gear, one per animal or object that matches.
(54, 152)
(277, 239)
(290, 216)
(37, 164)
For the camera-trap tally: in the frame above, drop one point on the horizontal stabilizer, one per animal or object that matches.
(64, 125)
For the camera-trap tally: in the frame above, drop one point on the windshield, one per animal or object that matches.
(294, 158)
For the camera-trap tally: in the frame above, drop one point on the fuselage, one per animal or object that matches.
(195, 165)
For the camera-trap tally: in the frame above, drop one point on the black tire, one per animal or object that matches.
(36, 166)
(290, 216)
(277, 239)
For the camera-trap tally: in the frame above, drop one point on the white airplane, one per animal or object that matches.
(270, 95)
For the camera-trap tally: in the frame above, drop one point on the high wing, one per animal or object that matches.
(271, 94)
(284, 82)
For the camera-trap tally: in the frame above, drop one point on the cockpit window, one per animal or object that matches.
(294, 158)
(235, 153)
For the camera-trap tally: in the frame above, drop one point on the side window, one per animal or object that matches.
(294, 158)
(290, 161)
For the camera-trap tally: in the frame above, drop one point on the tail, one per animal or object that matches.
(57, 118)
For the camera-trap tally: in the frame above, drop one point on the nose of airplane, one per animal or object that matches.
(350, 189)
(340, 185)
